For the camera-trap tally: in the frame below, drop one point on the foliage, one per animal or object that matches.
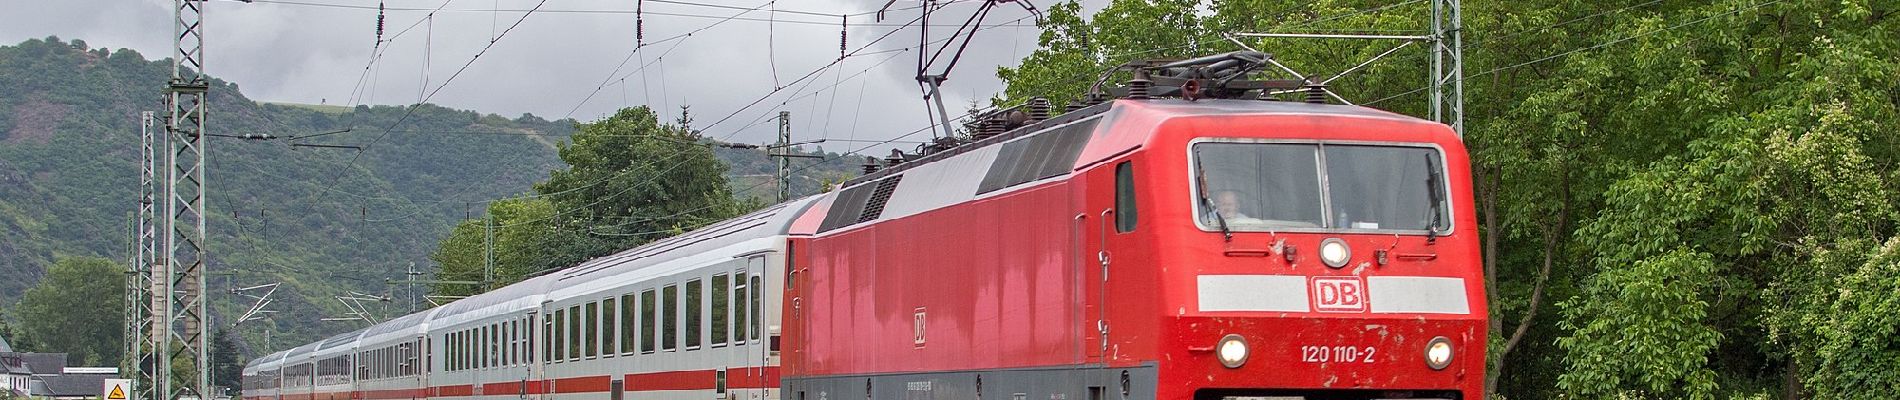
(323, 222)
(77, 309)
(520, 229)
(1703, 193)
(630, 180)
(227, 368)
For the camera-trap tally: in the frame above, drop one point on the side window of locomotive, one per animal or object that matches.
(1257, 186)
(1125, 211)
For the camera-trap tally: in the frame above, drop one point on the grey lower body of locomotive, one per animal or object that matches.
(1049, 383)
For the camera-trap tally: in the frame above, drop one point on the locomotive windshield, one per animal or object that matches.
(1279, 186)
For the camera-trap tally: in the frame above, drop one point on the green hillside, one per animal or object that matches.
(318, 220)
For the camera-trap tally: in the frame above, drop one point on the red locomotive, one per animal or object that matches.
(1150, 249)
(1182, 240)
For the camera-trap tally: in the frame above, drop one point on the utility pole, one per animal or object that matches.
(139, 301)
(488, 254)
(1448, 104)
(411, 272)
(180, 335)
(784, 149)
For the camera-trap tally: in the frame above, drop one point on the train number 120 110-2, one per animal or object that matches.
(1322, 354)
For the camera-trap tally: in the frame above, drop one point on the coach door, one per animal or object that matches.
(746, 380)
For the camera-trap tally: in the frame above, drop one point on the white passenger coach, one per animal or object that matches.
(693, 316)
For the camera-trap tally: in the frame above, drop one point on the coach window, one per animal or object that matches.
(757, 308)
(608, 311)
(508, 342)
(1125, 197)
(591, 325)
(451, 352)
(693, 312)
(449, 356)
(547, 337)
(560, 336)
(669, 317)
(627, 328)
(739, 307)
(574, 327)
(647, 309)
(721, 291)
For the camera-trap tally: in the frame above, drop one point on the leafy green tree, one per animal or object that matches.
(520, 227)
(632, 179)
(1676, 199)
(226, 369)
(77, 308)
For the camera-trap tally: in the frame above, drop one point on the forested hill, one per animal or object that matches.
(319, 220)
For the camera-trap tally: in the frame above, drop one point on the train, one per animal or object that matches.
(1186, 235)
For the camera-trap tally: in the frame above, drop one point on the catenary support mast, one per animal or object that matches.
(180, 330)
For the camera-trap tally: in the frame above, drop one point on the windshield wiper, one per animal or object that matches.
(1432, 180)
(1200, 176)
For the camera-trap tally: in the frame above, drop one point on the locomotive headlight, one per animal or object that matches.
(1438, 353)
(1334, 252)
(1232, 351)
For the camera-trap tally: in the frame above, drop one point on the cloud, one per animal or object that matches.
(279, 51)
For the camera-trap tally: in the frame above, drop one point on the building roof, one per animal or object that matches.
(4, 347)
(45, 363)
(75, 385)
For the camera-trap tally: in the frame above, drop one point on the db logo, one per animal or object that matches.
(1339, 294)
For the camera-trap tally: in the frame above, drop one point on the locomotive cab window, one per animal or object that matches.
(1256, 186)
(1125, 215)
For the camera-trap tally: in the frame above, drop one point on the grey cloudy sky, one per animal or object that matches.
(313, 51)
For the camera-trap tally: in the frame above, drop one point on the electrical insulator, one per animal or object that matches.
(843, 28)
(379, 23)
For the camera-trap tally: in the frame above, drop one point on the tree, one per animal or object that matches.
(226, 371)
(520, 226)
(77, 308)
(630, 180)
(1676, 199)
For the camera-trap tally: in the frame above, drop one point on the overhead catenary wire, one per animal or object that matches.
(587, 11)
(445, 83)
(1731, 12)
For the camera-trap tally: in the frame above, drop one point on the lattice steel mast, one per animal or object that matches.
(181, 335)
(139, 300)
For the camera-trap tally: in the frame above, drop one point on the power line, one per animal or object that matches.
(445, 83)
(623, 12)
(642, 45)
(1735, 11)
